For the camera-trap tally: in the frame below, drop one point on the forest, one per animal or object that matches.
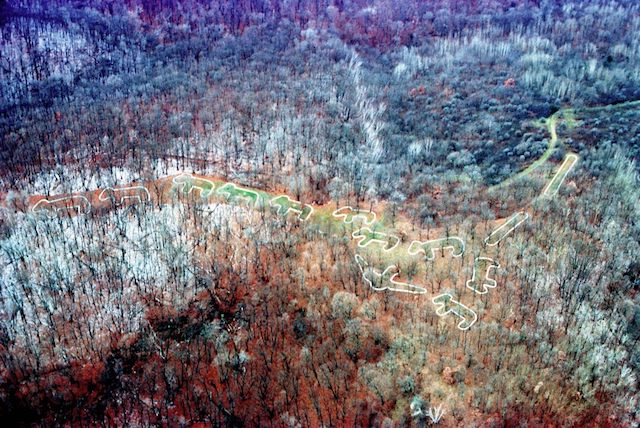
(341, 213)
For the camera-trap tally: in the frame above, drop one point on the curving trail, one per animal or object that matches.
(551, 123)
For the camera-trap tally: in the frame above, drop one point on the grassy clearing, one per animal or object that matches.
(285, 204)
(235, 193)
(366, 236)
(189, 182)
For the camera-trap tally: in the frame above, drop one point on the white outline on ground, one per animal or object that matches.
(360, 238)
(122, 191)
(354, 213)
(486, 281)
(36, 208)
(223, 191)
(456, 310)
(506, 224)
(433, 249)
(394, 271)
(181, 180)
(295, 210)
(574, 160)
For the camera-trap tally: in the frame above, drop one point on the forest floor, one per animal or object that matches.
(385, 246)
